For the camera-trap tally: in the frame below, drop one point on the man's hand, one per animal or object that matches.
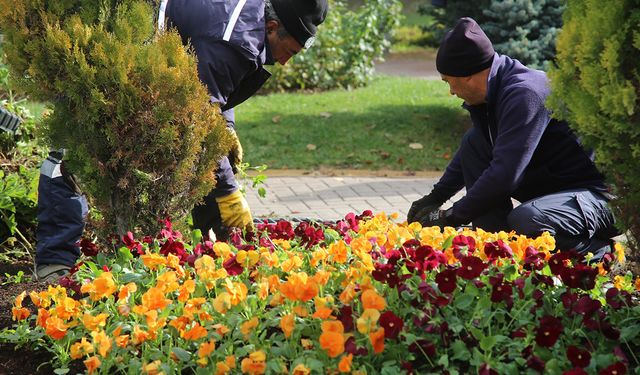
(422, 207)
(440, 218)
(235, 154)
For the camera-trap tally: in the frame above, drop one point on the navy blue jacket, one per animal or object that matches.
(232, 69)
(533, 155)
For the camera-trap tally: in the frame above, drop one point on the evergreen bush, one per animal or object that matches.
(349, 41)
(128, 104)
(523, 29)
(596, 86)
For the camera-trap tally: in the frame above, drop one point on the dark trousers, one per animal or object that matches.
(578, 219)
(61, 216)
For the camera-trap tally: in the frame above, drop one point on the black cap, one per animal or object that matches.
(301, 17)
(465, 50)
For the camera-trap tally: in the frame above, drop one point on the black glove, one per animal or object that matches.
(440, 218)
(422, 207)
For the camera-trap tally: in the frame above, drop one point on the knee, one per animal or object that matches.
(528, 220)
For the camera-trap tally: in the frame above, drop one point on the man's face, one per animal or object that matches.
(282, 48)
(465, 89)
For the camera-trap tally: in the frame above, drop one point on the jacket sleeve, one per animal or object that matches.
(451, 181)
(521, 120)
(221, 66)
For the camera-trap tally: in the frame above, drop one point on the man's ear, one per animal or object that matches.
(272, 26)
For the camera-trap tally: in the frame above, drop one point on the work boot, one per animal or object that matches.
(50, 273)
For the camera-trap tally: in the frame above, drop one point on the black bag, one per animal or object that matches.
(8, 121)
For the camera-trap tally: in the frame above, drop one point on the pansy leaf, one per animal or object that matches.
(131, 277)
(61, 371)
(125, 253)
(182, 354)
(487, 343)
(463, 301)
(444, 360)
(448, 242)
(459, 348)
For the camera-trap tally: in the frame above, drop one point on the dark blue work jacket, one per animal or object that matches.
(533, 154)
(231, 67)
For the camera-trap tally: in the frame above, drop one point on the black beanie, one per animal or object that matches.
(300, 18)
(465, 50)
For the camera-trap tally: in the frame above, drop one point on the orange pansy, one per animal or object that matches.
(367, 322)
(154, 299)
(194, 333)
(301, 369)
(287, 324)
(377, 340)
(248, 326)
(332, 342)
(80, 348)
(206, 348)
(153, 260)
(55, 327)
(254, 363)
(91, 322)
(372, 300)
(345, 363)
(102, 342)
(338, 251)
(92, 364)
(186, 290)
(153, 368)
(237, 291)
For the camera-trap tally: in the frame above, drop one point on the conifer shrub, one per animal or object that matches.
(596, 86)
(523, 29)
(127, 103)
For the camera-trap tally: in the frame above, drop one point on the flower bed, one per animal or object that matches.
(364, 295)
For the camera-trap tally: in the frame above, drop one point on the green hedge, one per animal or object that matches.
(348, 43)
(596, 85)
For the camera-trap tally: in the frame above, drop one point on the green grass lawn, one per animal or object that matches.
(368, 128)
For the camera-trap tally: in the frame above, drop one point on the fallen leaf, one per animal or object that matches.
(311, 147)
(276, 119)
(385, 155)
(415, 146)
(325, 114)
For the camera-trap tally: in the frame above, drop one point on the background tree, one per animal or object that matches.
(127, 103)
(523, 29)
(596, 85)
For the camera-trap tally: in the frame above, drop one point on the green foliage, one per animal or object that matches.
(127, 103)
(523, 29)
(343, 55)
(595, 87)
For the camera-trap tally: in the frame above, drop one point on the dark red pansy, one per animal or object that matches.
(578, 357)
(587, 306)
(423, 347)
(88, 248)
(535, 363)
(617, 368)
(502, 292)
(558, 262)
(69, 283)
(351, 347)
(471, 267)
(497, 249)
(575, 371)
(391, 323)
(408, 368)
(463, 246)
(345, 316)
(232, 266)
(580, 277)
(519, 333)
(446, 280)
(173, 247)
(486, 369)
(131, 243)
(549, 331)
(609, 331)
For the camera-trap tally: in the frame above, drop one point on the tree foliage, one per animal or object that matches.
(596, 86)
(348, 43)
(523, 29)
(128, 104)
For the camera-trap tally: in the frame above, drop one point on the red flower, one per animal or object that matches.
(173, 247)
(575, 371)
(386, 273)
(587, 306)
(346, 317)
(580, 277)
(447, 280)
(131, 243)
(578, 357)
(88, 248)
(558, 262)
(232, 266)
(502, 292)
(351, 347)
(422, 347)
(485, 369)
(471, 267)
(536, 363)
(497, 249)
(462, 242)
(391, 323)
(549, 331)
(617, 368)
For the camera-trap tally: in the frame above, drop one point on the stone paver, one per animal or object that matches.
(330, 198)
